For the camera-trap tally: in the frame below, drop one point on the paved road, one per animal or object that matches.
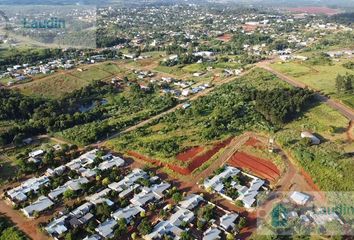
(344, 110)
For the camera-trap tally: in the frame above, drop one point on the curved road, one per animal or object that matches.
(344, 110)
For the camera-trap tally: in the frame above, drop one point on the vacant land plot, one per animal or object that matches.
(187, 138)
(320, 77)
(329, 163)
(92, 74)
(258, 166)
(58, 84)
(54, 86)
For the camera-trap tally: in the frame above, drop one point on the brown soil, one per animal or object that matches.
(260, 167)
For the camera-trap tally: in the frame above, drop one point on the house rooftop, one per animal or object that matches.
(227, 221)
(299, 198)
(127, 213)
(105, 229)
(211, 234)
(108, 164)
(38, 206)
(57, 226)
(191, 201)
(93, 237)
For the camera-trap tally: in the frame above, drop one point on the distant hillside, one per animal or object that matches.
(281, 3)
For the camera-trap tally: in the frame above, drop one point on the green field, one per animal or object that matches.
(319, 77)
(122, 110)
(176, 70)
(92, 74)
(327, 163)
(215, 117)
(54, 86)
(57, 85)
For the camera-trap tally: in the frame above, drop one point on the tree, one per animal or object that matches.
(239, 203)
(144, 227)
(133, 235)
(230, 236)
(186, 236)
(106, 181)
(242, 223)
(121, 228)
(142, 214)
(103, 211)
(68, 194)
(48, 158)
(177, 197)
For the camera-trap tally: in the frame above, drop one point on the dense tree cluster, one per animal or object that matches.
(14, 106)
(349, 65)
(182, 59)
(280, 106)
(343, 18)
(125, 110)
(44, 116)
(344, 83)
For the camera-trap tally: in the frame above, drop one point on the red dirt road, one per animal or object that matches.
(28, 226)
(260, 167)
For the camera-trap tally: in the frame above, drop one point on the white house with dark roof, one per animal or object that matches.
(147, 195)
(216, 182)
(84, 160)
(81, 210)
(128, 180)
(100, 197)
(172, 225)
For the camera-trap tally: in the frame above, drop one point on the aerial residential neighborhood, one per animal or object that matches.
(170, 119)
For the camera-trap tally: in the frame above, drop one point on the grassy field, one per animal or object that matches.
(6, 80)
(184, 129)
(58, 84)
(328, 163)
(176, 70)
(320, 77)
(92, 74)
(54, 86)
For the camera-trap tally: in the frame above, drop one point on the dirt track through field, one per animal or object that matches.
(344, 110)
(350, 131)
